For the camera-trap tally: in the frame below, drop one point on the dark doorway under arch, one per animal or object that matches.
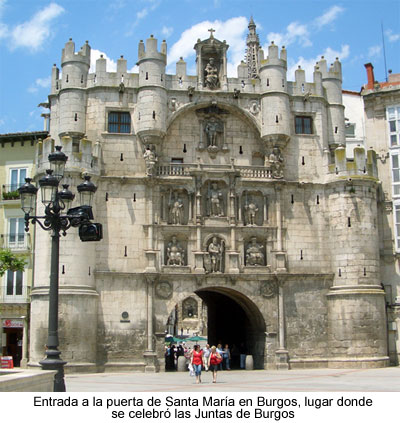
(235, 320)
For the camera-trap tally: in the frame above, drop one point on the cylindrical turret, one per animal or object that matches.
(72, 97)
(275, 99)
(356, 301)
(332, 83)
(152, 96)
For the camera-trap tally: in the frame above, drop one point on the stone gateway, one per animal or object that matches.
(233, 192)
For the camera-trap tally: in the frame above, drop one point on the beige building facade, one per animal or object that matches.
(235, 191)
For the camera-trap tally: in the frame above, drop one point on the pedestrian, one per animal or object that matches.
(206, 354)
(197, 362)
(226, 355)
(213, 362)
(242, 351)
(220, 351)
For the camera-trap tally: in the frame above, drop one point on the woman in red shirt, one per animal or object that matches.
(213, 361)
(197, 361)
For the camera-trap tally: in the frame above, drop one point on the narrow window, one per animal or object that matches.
(147, 75)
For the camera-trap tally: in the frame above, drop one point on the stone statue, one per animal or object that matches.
(215, 252)
(275, 162)
(212, 128)
(250, 210)
(254, 253)
(211, 74)
(150, 159)
(216, 200)
(175, 253)
(176, 210)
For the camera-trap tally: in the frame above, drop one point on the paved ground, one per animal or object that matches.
(318, 380)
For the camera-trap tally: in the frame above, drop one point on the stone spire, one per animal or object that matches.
(253, 46)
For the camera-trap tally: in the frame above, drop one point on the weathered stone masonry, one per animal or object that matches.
(232, 188)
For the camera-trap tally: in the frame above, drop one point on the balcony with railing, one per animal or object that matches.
(176, 169)
(9, 192)
(17, 242)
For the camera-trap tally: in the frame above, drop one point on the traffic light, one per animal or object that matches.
(91, 232)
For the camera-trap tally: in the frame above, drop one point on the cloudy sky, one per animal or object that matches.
(33, 33)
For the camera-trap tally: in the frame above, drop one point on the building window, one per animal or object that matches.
(396, 174)
(397, 225)
(393, 115)
(16, 234)
(14, 283)
(119, 122)
(17, 178)
(350, 129)
(303, 125)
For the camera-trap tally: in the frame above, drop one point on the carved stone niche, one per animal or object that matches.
(254, 253)
(175, 206)
(252, 208)
(175, 253)
(211, 60)
(212, 137)
(190, 308)
(214, 194)
(214, 256)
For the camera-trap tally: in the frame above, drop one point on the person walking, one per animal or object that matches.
(220, 351)
(226, 355)
(206, 354)
(197, 362)
(213, 362)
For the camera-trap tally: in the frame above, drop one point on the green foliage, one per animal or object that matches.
(12, 195)
(9, 261)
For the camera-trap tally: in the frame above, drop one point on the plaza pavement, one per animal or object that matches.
(315, 380)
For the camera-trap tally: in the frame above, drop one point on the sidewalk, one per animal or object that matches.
(316, 380)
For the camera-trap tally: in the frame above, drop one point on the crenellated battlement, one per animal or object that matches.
(334, 71)
(363, 165)
(273, 58)
(150, 51)
(69, 54)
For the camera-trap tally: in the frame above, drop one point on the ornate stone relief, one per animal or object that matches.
(163, 289)
(175, 254)
(211, 79)
(275, 162)
(150, 158)
(214, 258)
(176, 209)
(255, 255)
(215, 200)
(268, 289)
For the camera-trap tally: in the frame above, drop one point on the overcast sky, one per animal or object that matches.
(33, 33)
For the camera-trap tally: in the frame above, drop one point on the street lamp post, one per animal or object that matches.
(56, 202)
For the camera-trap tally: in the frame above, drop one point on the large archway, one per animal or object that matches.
(235, 320)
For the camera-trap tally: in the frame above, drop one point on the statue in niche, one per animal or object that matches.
(211, 74)
(215, 253)
(250, 213)
(189, 308)
(276, 162)
(175, 253)
(254, 253)
(150, 158)
(213, 127)
(215, 198)
(176, 209)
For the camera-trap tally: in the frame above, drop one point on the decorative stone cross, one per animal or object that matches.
(211, 32)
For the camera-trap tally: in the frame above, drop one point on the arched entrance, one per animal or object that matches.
(235, 320)
(222, 316)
